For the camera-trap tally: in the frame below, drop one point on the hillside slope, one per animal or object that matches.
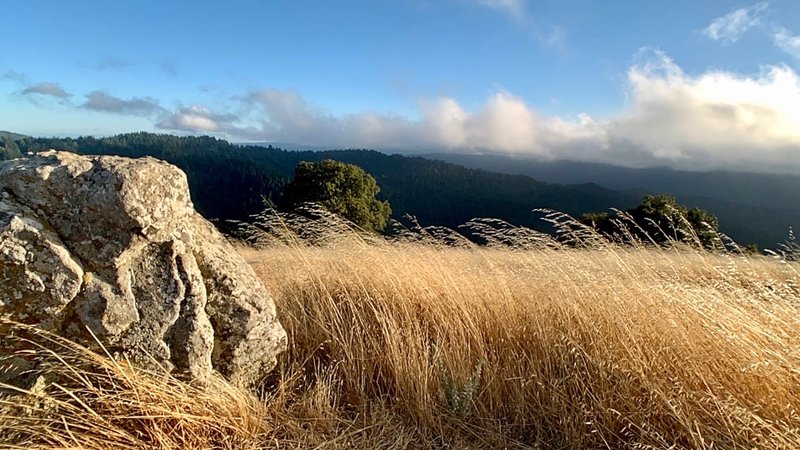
(751, 207)
(230, 182)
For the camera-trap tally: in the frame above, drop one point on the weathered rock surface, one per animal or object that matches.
(114, 245)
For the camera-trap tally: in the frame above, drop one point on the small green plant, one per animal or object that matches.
(459, 396)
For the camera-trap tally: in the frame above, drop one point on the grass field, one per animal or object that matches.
(401, 344)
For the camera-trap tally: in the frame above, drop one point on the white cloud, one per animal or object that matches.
(445, 122)
(729, 27)
(713, 120)
(285, 116)
(787, 42)
(200, 119)
(193, 118)
(513, 8)
(506, 122)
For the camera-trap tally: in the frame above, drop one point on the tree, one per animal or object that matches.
(9, 149)
(343, 189)
(662, 219)
(706, 227)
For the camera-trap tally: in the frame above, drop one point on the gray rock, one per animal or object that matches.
(114, 245)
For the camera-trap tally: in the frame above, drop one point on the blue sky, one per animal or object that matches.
(691, 84)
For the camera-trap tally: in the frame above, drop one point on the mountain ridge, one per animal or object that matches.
(229, 182)
(751, 206)
(451, 189)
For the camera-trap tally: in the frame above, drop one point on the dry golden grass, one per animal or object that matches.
(83, 400)
(413, 345)
(561, 348)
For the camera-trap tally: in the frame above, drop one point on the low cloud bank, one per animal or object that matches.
(714, 120)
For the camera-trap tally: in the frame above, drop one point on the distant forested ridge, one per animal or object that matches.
(232, 182)
(751, 207)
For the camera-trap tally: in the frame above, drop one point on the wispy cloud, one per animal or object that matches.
(14, 76)
(730, 27)
(169, 67)
(31, 91)
(112, 63)
(553, 36)
(46, 89)
(786, 41)
(512, 8)
(104, 102)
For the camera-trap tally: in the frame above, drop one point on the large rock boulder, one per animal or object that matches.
(114, 246)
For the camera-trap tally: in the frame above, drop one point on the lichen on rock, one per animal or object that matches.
(113, 245)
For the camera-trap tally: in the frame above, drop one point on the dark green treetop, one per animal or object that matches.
(343, 189)
(660, 218)
(8, 148)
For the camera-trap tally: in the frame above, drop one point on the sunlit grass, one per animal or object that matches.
(412, 344)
